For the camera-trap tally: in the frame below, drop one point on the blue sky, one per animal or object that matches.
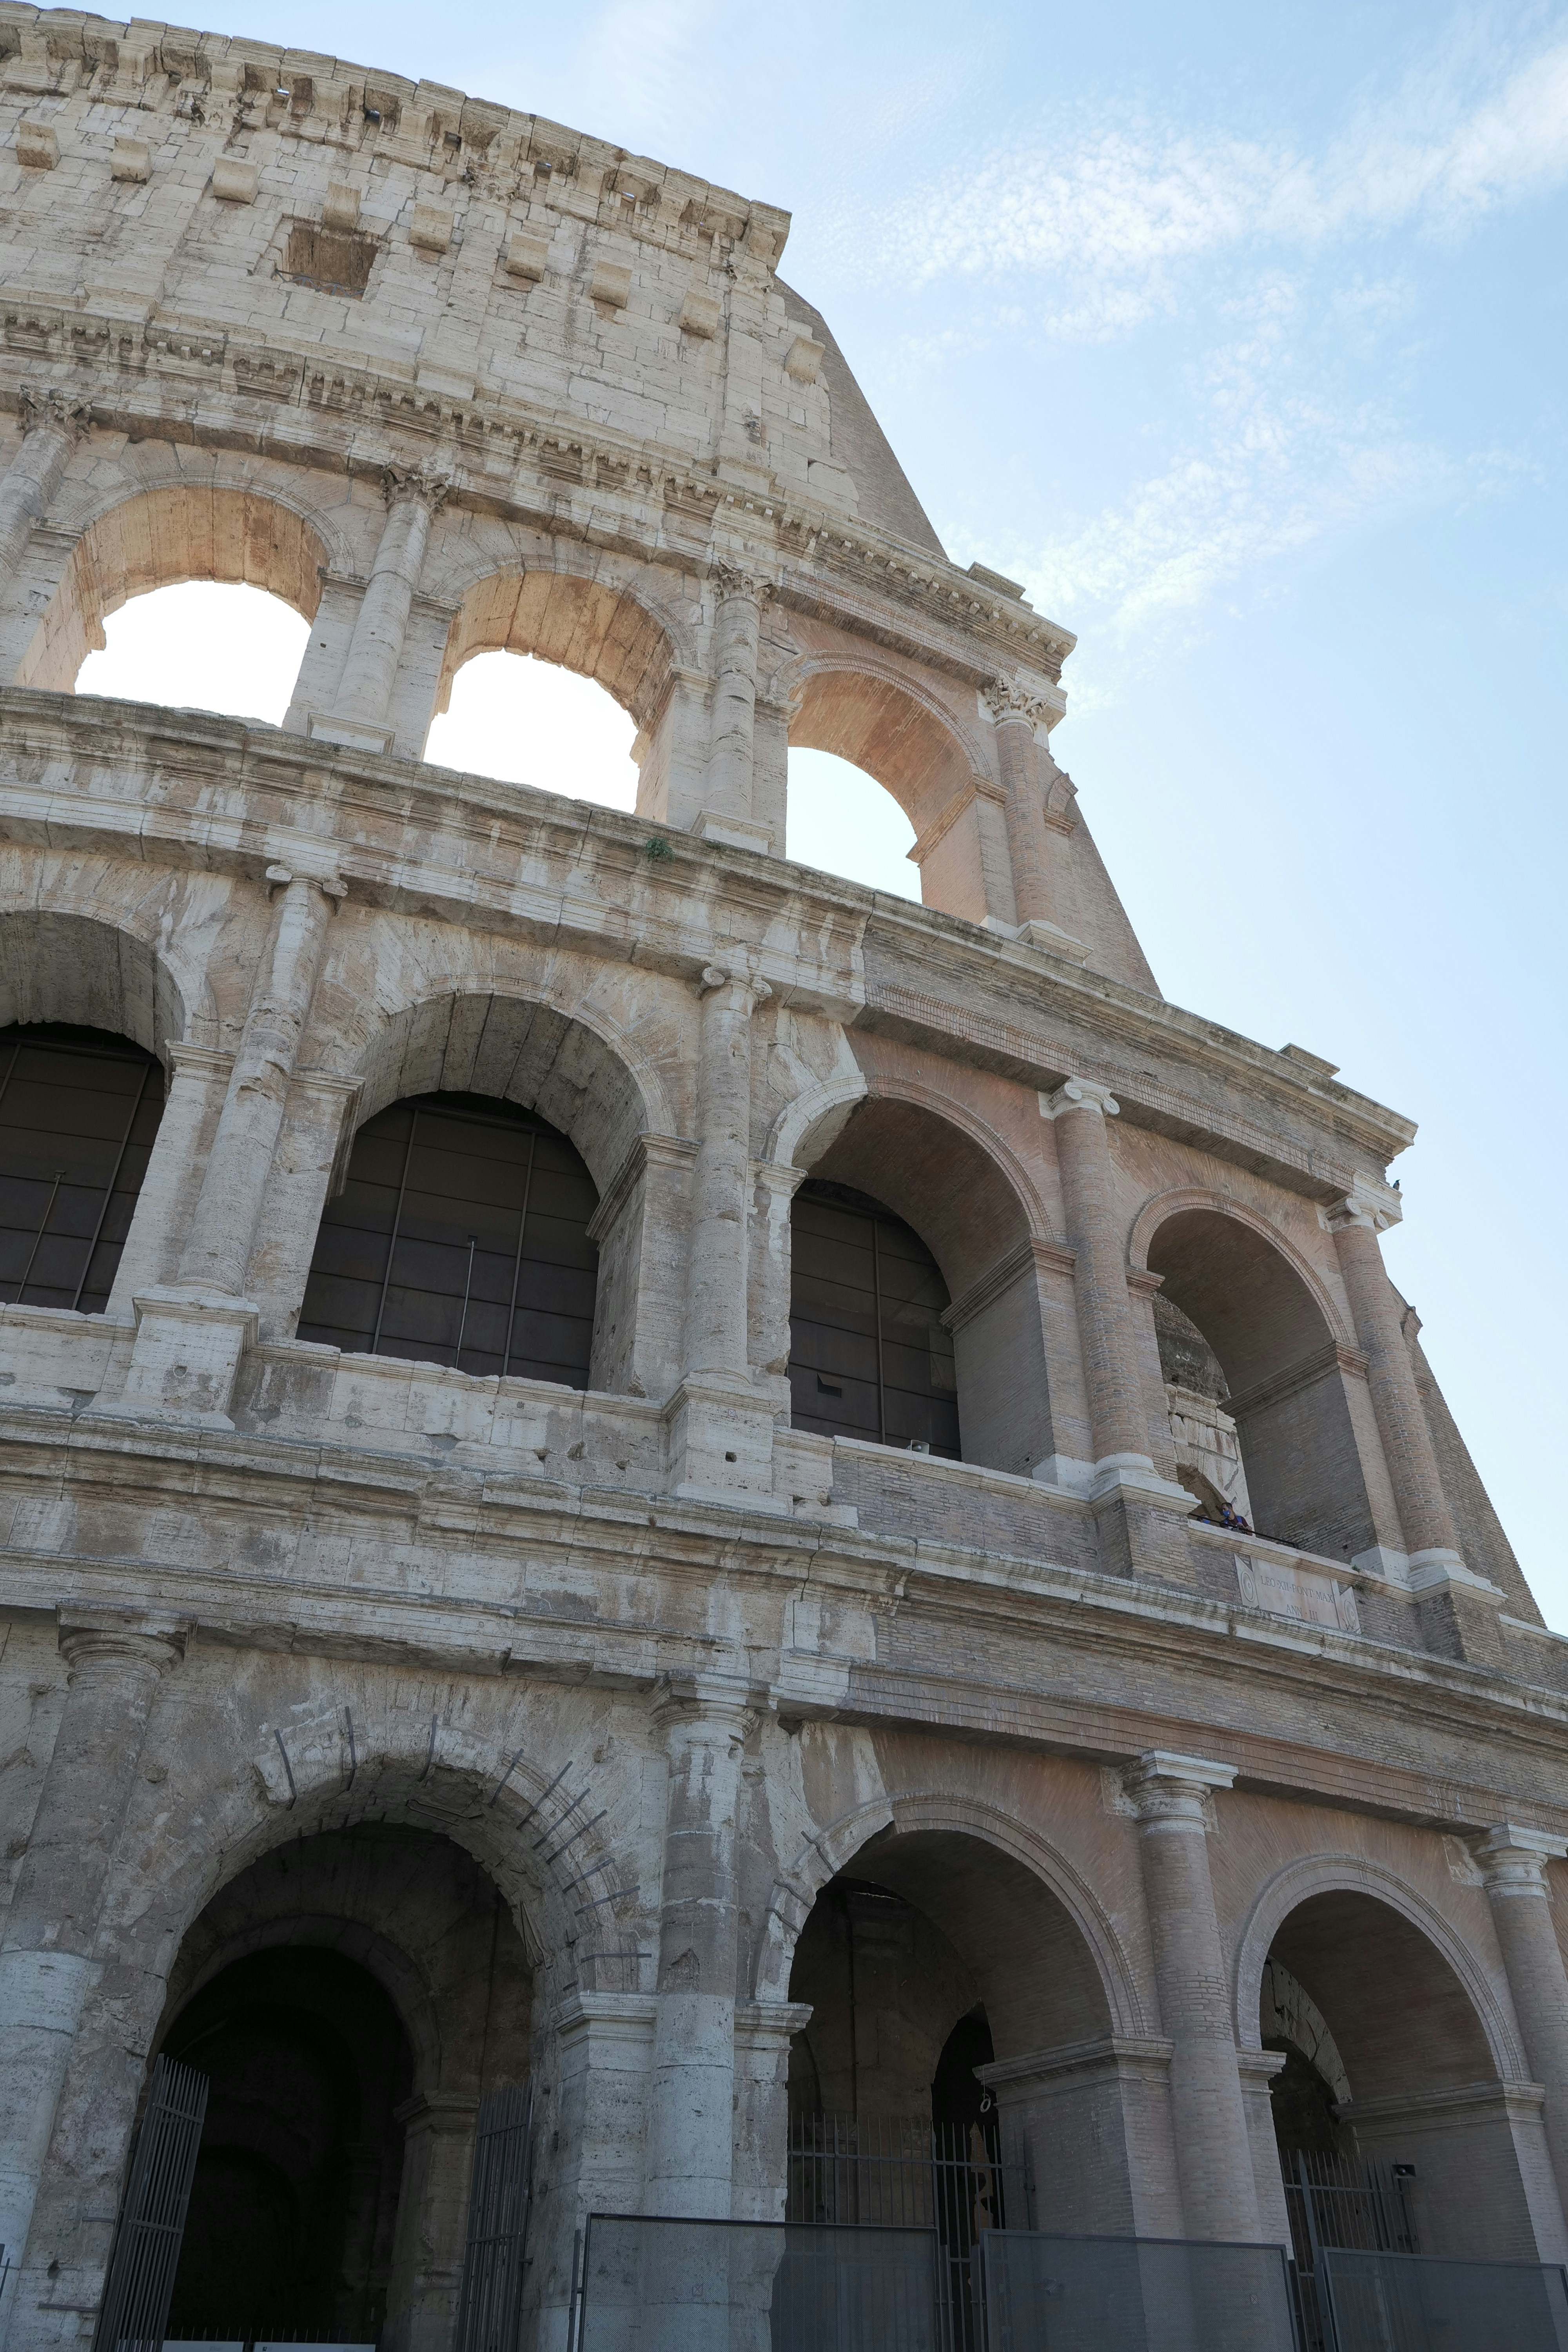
(1239, 335)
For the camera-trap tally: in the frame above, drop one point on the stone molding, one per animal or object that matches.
(1513, 1859)
(1079, 1094)
(1043, 1257)
(40, 405)
(1062, 2070)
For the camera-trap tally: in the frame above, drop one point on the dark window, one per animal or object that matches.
(78, 1113)
(332, 260)
(460, 1238)
(868, 1353)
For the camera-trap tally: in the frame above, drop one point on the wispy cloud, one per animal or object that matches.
(1108, 214)
(654, 59)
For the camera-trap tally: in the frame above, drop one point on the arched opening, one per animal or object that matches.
(349, 1999)
(529, 721)
(881, 728)
(842, 821)
(915, 1312)
(174, 652)
(1255, 1386)
(461, 1237)
(869, 1356)
(79, 1112)
(1391, 2122)
(289, 2231)
(947, 1984)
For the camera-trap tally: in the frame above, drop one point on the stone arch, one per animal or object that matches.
(1315, 1875)
(159, 535)
(79, 968)
(604, 621)
(873, 713)
(805, 1128)
(580, 1070)
(1284, 1369)
(1184, 1199)
(946, 1812)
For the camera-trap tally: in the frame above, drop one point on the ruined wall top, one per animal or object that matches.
(278, 225)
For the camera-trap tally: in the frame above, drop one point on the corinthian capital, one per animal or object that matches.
(741, 580)
(404, 482)
(48, 404)
(1011, 697)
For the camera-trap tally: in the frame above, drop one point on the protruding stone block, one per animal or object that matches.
(131, 160)
(611, 284)
(701, 314)
(341, 209)
(804, 358)
(235, 183)
(431, 228)
(38, 147)
(527, 255)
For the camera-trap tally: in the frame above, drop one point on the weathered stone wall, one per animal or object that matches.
(643, 1661)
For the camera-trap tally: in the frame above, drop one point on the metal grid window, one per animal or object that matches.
(460, 1238)
(869, 1355)
(78, 1115)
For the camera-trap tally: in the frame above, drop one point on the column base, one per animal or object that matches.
(722, 1444)
(185, 1358)
(349, 734)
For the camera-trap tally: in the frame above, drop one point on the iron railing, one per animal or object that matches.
(490, 2305)
(1340, 2203)
(134, 2313)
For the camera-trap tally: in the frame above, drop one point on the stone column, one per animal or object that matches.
(690, 2134)
(1513, 1863)
(432, 2219)
(364, 696)
(1430, 1537)
(1118, 1421)
(731, 743)
(1219, 2192)
(52, 424)
(48, 1966)
(1037, 898)
(716, 1290)
(218, 1249)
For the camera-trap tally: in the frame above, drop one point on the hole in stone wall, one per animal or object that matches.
(530, 722)
(201, 645)
(332, 260)
(843, 822)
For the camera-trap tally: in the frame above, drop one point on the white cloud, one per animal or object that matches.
(1110, 213)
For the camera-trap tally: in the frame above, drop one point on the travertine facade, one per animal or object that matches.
(560, 1713)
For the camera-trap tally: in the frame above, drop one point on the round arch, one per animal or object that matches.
(1196, 1199)
(59, 966)
(947, 1813)
(158, 536)
(1316, 1877)
(869, 713)
(609, 624)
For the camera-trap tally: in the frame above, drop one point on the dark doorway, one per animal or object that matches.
(869, 1355)
(290, 2223)
(79, 1110)
(460, 1238)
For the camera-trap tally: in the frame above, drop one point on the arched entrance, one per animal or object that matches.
(348, 2000)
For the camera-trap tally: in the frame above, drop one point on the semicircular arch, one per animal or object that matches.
(607, 621)
(1188, 1198)
(57, 965)
(873, 714)
(1314, 1876)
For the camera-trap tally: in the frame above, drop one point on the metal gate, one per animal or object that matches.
(490, 2307)
(1336, 2204)
(907, 2173)
(134, 2313)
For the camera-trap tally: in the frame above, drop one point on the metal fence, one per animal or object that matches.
(489, 2305)
(134, 2313)
(1416, 2303)
(1336, 2201)
(897, 2173)
(1049, 2293)
(654, 2285)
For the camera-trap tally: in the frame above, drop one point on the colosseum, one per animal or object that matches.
(735, 1612)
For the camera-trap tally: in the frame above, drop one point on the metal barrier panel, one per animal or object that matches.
(1422, 2302)
(654, 2285)
(1045, 2294)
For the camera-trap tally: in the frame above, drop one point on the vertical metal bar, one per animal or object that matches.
(517, 1261)
(38, 1237)
(397, 1224)
(108, 1190)
(876, 1310)
(463, 1317)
